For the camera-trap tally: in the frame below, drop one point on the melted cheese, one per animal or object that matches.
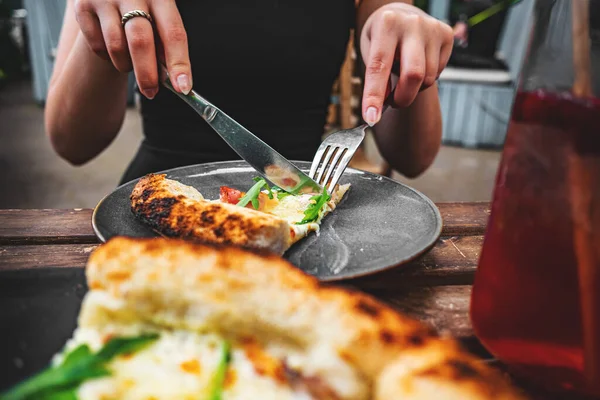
(181, 365)
(292, 208)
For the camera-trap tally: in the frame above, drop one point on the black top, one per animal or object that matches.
(268, 64)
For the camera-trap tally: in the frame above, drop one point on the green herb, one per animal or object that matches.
(252, 194)
(122, 345)
(67, 394)
(314, 209)
(269, 191)
(61, 381)
(281, 195)
(280, 192)
(218, 381)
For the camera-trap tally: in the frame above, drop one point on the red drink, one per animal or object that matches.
(536, 298)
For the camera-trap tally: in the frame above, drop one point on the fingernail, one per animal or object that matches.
(184, 83)
(372, 116)
(150, 93)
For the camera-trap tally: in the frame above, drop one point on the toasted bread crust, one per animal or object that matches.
(180, 285)
(176, 210)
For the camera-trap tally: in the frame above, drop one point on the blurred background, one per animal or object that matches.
(476, 92)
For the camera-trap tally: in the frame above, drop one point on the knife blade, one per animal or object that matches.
(263, 158)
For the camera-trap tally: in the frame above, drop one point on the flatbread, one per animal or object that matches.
(176, 210)
(286, 335)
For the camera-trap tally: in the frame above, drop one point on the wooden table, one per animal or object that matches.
(435, 289)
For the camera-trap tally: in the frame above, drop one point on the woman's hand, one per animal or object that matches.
(401, 32)
(461, 32)
(133, 46)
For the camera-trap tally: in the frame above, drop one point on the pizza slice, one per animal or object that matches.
(264, 217)
(170, 319)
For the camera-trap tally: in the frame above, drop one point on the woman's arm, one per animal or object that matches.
(87, 96)
(408, 136)
(86, 99)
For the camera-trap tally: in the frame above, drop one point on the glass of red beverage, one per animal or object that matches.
(536, 297)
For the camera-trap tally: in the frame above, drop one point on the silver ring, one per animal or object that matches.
(135, 13)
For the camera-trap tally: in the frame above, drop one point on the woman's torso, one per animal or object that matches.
(268, 64)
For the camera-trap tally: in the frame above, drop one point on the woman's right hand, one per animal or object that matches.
(133, 46)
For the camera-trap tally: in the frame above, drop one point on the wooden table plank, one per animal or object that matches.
(446, 308)
(452, 261)
(461, 219)
(70, 226)
(46, 226)
(43, 256)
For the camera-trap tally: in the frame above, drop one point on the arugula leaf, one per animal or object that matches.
(61, 381)
(280, 192)
(216, 391)
(77, 354)
(269, 190)
(281, 195)
(67, 394)
(124, 345)
(313, 211)
(252, 194)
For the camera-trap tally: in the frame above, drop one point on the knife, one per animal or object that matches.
(262, 157)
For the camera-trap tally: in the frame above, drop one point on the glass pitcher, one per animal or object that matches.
(536, 297)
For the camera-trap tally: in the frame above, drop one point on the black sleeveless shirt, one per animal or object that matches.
(268, 64)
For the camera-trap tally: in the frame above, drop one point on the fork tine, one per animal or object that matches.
(340, 170)
(316, 161)
(326, 165)
(334, 154)
(334, 164)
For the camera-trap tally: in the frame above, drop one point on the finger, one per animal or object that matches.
(432, 62)
(445, 53)
(175, 44)
(114, 38)
(142, 50)
(381, 51)
(412, 71)
(90, 28)
(446, 35)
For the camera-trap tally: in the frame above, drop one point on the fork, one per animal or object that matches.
(336, 151)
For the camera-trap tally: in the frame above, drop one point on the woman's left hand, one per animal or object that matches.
(401, 32)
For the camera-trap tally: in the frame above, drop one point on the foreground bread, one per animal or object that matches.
(321, 342)
(177, 210)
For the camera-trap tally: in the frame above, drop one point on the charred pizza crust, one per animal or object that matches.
(176, 210)
(242, 295)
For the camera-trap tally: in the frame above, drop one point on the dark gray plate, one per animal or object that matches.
(379, 224)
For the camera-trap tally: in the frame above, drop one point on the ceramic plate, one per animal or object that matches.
(379, 224)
